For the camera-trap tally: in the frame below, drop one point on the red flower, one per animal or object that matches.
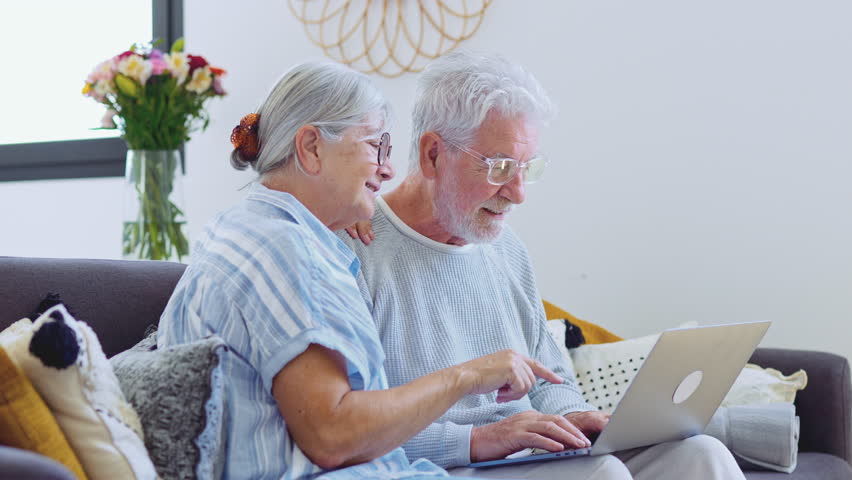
(196, 61)
(126, 54)
(217, 71)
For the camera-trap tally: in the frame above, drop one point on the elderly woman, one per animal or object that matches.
(306, 392)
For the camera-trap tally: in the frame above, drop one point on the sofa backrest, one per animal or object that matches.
(119, 299)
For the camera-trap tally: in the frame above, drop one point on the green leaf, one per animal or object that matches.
(178, 45)
(127, 86)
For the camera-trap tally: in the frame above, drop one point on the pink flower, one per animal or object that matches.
(104, 71)
(158, 65)
(217, 86)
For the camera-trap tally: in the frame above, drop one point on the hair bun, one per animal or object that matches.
(244, 137)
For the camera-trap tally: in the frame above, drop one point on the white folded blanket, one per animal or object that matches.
(764, 436)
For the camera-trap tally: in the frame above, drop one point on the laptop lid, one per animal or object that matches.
(676, 391)
(680, 385)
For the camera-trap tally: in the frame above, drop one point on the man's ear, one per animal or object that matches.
(307, 149)
(430, 147)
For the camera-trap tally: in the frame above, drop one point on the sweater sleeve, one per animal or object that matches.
(444, 444)
(547, 397)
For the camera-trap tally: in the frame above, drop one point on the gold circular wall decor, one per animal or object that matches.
(388, 37)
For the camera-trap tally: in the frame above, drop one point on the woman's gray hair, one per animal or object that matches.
(329, 96)
(457, 91)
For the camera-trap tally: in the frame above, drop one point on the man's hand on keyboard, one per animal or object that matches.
(552, 433)
(591, 423)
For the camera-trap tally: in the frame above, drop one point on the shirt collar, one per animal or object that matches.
(291, 205)
(406, 230)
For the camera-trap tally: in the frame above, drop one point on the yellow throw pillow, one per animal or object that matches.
(591, 332)
(26, 422)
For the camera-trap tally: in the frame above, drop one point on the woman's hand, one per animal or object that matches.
(362, 230)
(509, 372)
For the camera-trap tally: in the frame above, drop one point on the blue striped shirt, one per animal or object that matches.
(270, 279)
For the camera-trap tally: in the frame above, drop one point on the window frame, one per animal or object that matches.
(91, 158)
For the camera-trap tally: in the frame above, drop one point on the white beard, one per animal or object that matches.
(472, 227)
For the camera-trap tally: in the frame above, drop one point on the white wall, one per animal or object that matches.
(700, 163)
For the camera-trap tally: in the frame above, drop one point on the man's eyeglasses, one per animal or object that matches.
(502, 170)
(385, 148)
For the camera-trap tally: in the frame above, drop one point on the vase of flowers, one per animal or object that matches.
(156, 99)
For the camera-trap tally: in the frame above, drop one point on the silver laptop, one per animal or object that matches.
(675, 393)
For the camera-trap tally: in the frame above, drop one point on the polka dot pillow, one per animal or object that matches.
(604, 371)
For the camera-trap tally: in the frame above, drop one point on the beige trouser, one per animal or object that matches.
(697, 458)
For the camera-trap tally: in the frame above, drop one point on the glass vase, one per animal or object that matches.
(154, 222)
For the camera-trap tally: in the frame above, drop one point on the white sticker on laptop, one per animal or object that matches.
(687, 387)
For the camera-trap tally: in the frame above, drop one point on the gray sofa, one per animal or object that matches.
(120, 299)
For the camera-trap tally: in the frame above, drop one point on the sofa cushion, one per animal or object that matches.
(812, 466)
(756, 385)
(26, 422)
(64, 361)
(178, 394)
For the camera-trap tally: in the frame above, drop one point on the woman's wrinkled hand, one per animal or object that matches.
(362, 230)
(510, 373)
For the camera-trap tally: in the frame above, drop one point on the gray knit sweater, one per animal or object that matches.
(437, 305)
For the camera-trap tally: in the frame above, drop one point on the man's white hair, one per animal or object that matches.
(327, 95)
(457, 91)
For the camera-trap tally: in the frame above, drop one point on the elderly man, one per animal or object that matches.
(447, 281)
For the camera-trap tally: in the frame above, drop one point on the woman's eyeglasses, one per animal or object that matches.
(385, 148)
(502, 170)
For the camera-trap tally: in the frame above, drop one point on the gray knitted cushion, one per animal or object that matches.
(178, 394)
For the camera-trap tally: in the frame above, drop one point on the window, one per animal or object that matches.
(47, 127)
